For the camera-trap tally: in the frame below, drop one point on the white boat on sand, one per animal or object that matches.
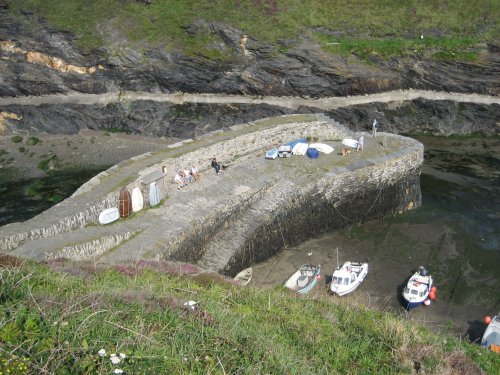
(418, 288)
(304, 279)
(244, 277)
(347, 278)
(491, 337)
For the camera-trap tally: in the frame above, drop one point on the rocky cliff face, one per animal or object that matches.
(45, 61)
(303, 69)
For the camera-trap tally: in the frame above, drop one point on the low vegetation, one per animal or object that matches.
(445, 30)
(16, 139)
(32, 141)
(67, 319)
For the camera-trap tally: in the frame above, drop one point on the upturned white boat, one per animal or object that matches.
(491, 337)
(347, 278)
(304, 279)
(109, 215)
(244, 277)
(350, 142)
(418, 288)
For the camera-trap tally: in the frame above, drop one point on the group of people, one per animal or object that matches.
(186, 176)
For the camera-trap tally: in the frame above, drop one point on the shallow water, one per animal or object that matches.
(455, 234)
(22, 200)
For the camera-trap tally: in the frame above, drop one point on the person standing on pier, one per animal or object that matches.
(374, 127)
(361, 143)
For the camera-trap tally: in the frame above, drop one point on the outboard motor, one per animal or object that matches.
(423, 271)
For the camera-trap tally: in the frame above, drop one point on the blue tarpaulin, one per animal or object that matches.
(312, 153)
(293, 143)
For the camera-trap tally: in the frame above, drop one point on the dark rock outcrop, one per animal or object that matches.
(256, 68)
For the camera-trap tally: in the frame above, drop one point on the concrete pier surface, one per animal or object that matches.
(224, 222)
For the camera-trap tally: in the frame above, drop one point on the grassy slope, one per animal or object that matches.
(56, 323)
(384, 28)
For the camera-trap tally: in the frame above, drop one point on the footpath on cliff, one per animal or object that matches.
(282, 101)
(239, 198)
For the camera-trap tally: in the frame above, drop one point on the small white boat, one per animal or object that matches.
(418, 288)
(304, 279)
(300, 149)
(272, 154)
(109, 215)
(284, 151)
(348, 277)
(491, 337)
(244, 277)
(350, 142)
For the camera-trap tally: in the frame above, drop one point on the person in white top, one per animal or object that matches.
(194, 172)
(361, 143)
(187, 175)
(179, 180)
(374, 127)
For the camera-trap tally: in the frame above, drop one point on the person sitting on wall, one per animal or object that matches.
(216, 165)
(187, 175)
(179, 180)
(194, 172)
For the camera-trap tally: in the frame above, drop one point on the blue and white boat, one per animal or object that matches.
(272, 154)
(491, 337)
(304, 279)
(418, 288)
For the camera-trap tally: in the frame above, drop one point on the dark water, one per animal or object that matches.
(22, 200)
(455, 234)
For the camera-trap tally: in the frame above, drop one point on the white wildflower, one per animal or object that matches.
(123, 356)
(115, 360)
(101, 352)
(118, 371)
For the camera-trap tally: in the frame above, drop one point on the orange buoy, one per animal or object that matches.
(487, 319)
(434, 289)
(432, 296)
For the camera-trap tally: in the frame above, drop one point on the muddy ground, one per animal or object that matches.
(88, 149)
(455, 234)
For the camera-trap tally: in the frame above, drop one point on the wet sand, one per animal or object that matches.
(90, 148)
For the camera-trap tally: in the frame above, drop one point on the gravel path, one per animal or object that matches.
(283, 101)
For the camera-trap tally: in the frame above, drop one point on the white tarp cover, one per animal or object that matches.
(300, 149)
(321, 147)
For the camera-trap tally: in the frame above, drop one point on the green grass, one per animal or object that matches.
(58, 318)
(451, 29)
(444, 48)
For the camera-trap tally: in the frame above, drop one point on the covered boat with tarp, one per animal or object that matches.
(312, 153)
